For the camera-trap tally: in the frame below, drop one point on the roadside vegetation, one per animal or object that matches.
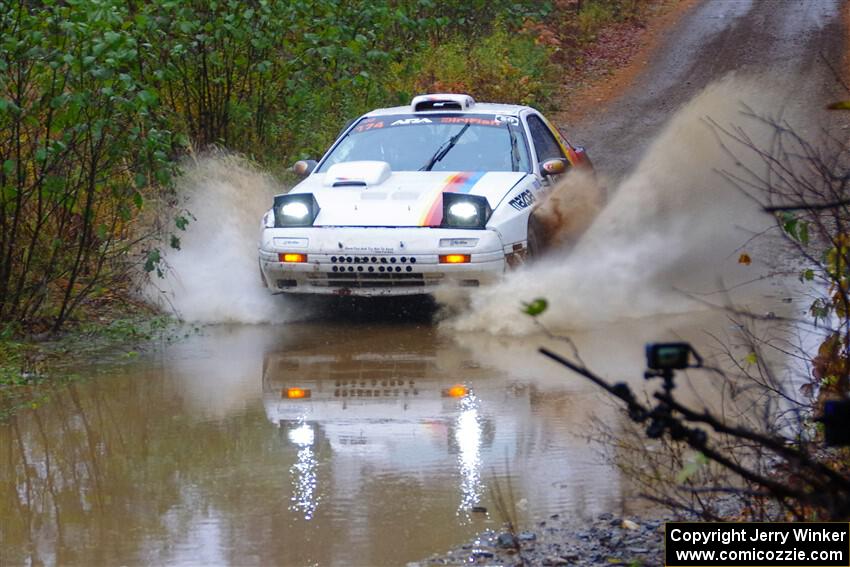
(100, 100)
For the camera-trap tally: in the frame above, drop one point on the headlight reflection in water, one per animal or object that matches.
(304, 499)
(468, 439)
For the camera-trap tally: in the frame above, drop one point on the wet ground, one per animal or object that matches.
(193, 453)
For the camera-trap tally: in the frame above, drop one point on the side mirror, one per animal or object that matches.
(304, 167)
(554, 166)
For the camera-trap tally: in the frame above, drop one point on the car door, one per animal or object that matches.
(545, 146)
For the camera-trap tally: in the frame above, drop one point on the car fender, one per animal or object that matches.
(510, 216)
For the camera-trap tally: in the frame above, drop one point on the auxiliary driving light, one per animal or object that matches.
(296, 210)
(296, 393)
(292, 258)
(455, 258)
(461, 210)
(456, 391)
(299, 209)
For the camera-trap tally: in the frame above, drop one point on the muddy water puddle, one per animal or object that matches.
(196, 454)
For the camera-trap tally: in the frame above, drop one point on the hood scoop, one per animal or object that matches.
(357, 174)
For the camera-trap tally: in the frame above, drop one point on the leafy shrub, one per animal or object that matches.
(501, 67)
(81, 138)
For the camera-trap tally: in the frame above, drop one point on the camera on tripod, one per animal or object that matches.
(663, 358)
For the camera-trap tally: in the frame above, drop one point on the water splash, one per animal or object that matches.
(671, 231)
(214, 277)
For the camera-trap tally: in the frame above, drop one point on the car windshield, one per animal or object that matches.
(436, 142)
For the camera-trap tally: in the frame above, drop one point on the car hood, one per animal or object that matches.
(406, 198)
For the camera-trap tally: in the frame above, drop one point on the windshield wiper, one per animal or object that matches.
(444, 148)
(514, 149)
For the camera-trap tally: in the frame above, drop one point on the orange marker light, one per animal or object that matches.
(292, 258)
(296, 393)
(456, 391)
(455, 258)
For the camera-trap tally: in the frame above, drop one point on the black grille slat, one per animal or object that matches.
(373, 276)
(366, 279)
(367, 284)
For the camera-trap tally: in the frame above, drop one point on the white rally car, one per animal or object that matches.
(412, 197)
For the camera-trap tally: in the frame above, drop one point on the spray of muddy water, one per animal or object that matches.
(214, 277)
(673, 225)
(670, 231)
(570, 209)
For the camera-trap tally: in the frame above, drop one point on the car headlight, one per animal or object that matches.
(295, 210)
(465, 211)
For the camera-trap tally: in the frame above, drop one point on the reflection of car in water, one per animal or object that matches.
(410, 197)
(321, 387)
(396, 411)
(368, 391)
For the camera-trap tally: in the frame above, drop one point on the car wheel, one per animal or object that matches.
(535, 239)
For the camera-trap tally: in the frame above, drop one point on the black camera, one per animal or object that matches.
(836, 422)
(668, 356)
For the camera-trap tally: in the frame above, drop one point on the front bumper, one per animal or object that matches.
(377, 261)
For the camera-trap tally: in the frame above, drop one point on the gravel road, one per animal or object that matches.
(788, 40)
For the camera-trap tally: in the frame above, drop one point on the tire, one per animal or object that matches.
(262, 277)
(535, 239)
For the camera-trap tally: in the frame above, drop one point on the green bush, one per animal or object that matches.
(509, 67)
(82, 140)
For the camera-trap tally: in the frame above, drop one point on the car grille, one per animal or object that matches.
(375, 260)
(364, 375)
(373, 388)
